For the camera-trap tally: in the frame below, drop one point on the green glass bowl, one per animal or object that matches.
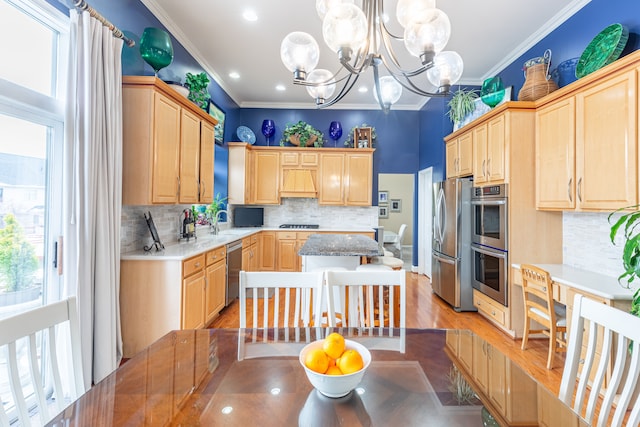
(605, 48)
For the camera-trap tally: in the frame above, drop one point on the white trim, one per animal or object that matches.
(425, 183)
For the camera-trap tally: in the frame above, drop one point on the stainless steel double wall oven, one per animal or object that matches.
(489, 239)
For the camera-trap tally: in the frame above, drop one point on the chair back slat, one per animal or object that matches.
(610, 331)
(19, 337)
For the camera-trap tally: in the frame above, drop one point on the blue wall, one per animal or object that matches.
(408, 141)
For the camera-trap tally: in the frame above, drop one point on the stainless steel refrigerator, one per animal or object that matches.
(451, 256)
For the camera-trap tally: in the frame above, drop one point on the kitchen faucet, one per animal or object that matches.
(215, 228)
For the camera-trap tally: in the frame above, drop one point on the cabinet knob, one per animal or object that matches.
(197, 264)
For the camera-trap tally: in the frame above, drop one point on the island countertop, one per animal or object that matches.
(340, 245)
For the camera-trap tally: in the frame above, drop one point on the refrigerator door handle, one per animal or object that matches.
(444, 260)
(489, 202)
(443, 217)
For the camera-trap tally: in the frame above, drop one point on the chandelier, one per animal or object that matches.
(361, 38)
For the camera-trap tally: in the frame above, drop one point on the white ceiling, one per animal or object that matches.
(488, 34)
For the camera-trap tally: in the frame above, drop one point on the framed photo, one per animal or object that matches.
(383, 212)
(362, 138)
(396, 205)
(383, 197)
(219, 115)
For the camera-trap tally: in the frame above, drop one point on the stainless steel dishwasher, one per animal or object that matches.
(234, 265)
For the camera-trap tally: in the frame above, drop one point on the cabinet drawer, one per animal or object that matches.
(246, 242)
(193, 265)
(489, 308)
(216, 255)
(287, 235)
(309, 159)
(253, 239)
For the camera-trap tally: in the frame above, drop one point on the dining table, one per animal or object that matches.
(241, 377)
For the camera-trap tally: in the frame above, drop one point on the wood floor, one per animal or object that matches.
(426, 310)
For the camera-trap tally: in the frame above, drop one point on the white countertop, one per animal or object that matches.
(586, 281)
(206, 241)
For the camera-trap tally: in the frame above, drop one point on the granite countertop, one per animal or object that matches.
(206, 241)
(586, 281)
(340, 245)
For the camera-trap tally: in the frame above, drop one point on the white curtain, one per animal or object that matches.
(92, 191)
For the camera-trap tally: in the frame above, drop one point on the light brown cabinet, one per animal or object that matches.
(193, 292)
(459, 154)
(163, 136)
(267, 257)
(288, 245)
(594, 128)
(215, 283)
(490, 152)
(259, 175)
(250, 253)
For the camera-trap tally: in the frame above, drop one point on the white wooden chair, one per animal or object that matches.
(397, 241)
(584, 376)
(373, 299)
(19, 337)
(279, 300)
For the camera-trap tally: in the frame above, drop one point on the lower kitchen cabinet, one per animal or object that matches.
(288, 245)
(250, 253)
(267, 256)
(215, 283)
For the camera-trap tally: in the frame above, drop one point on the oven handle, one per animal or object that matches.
(497, 254)
(489, 202)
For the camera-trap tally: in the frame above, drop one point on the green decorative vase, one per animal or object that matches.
(492, 91)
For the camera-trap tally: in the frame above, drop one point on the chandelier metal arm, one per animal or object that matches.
(408, 84)
(344, 91)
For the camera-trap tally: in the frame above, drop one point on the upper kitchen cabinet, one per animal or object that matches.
(586, 142)
(254, 175)
(359, 178)
(489, 152)
(167, 145)
(460, 156)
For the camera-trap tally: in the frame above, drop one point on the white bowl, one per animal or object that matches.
(336, 385)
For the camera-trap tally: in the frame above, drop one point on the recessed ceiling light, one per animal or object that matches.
(281, 88)
(234, 75)
(250, 15)
(363, 89)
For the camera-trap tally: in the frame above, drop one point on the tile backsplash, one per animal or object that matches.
(167, 218)
(586, 243)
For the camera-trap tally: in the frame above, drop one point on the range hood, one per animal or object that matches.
(298, 183)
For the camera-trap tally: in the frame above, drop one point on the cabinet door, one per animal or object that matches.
(267, 252)
(166, 150)
(246, 258)
(465, 154)
(555, 155)
(287, 255)
(266, 177)
(480, 363)
(189, 157)
(496, 149)
(606, 144)
(498, 379)
(331, 180)
(358, 188)
(465, 350)
(215, 290)
(207, 153)
(193, 301)
(480, 154)
(452, 158)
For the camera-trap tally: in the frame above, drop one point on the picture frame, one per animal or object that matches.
(383, 212)
(362, 138)
(383, 197)
(218, 114)
(396, 205)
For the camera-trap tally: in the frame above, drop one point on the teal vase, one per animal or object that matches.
(492, 91)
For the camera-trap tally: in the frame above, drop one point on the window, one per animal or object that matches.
(31, 143)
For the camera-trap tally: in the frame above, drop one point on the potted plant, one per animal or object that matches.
(629, 222)
(197, 84)
(461, 104)
(216, 205)
(349, 141)
(302, 134)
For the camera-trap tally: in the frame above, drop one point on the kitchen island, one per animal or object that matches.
(337, 250)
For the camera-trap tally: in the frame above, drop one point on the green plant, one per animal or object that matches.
(217, 204)
(18, 261)
(629, 222)
(349, 141)
(461, 104)
(197, 84)
(304, 132)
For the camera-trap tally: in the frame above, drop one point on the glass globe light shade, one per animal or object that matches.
(428, 33)
(323, 6)
(447, 69)
(407, 10)
(299, 51)
(390, 90)
(324, 91)
(344, 26)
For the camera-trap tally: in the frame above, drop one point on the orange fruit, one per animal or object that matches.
(350, 362)
(333, 370)
(333, 345)
(317, 360)
(332, 362)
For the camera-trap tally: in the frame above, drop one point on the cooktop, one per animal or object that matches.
(309, 226)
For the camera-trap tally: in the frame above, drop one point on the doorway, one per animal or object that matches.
(395, 207)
